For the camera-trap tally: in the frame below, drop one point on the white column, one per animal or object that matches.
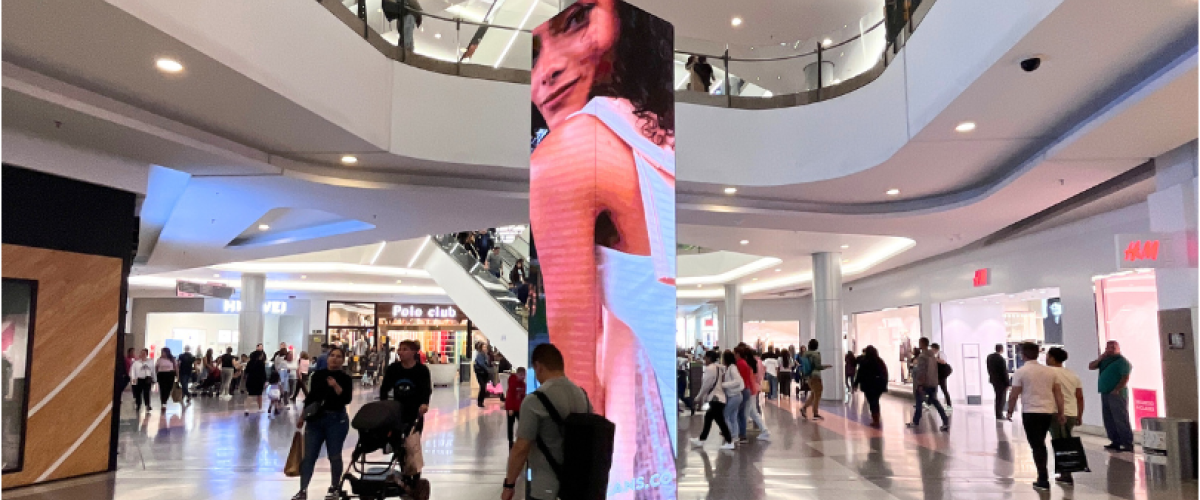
(731, 324)
(827, 315)
(250, 319)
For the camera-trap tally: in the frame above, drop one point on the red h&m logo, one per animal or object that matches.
(1141, 250)
(981, 278)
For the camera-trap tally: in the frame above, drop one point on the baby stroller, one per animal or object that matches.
(211, 384)
(380, 427)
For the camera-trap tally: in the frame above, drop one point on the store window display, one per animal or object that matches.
(894, 332)
(1127, 309)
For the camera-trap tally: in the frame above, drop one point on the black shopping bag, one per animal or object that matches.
(1069, 455)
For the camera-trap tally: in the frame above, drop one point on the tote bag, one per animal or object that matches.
(1069, 455)
(291, 468)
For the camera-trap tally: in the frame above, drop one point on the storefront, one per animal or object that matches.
(215, 326)
(1127, 312)
(361, 326)
(893, 332)
(771, 334)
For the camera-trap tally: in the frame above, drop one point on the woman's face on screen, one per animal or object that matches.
(570, 54)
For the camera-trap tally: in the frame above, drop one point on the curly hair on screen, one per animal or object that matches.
(643, 71)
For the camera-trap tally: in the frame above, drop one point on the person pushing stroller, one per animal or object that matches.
(408, 382)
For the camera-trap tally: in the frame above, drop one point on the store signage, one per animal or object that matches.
(983, 277)
(509, 234)
(435, 312)
(1145, 405)
(192, 289)
(268, 307)
(1154, 250)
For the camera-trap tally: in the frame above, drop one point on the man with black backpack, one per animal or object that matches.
(567, 447)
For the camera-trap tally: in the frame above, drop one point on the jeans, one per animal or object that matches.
(1115, 408)
(483, 378)
(733, 407)
(329, 429)
(716, 413)
(283, 383)
(141, 392)
(1001, 399)
(226, 378)
(185, 380)
(928, 394)
(166, 382)
(513, 416)
(773, 383)
(750, 405)
(410, 25)
(1036, 426)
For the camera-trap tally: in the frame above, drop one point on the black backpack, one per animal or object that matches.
(587, 453)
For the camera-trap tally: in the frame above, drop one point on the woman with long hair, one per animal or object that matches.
(332, 389)
(167, 371)
(712, 393)
(733, 385)
(871, 377)
(602, 197)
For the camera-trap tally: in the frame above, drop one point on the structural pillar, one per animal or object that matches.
(250, 317)
(827, 324)
(731, 324)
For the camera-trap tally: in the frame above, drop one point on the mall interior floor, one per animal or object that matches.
(210, 450)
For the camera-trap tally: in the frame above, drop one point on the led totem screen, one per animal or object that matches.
(602, 204)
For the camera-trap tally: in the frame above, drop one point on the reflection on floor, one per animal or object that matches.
(210, 450)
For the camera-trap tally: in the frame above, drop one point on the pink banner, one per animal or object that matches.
(1145, 404)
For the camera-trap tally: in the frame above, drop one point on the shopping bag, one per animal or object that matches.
(291, 468)
(1069, 455)
(176, 394)
(494, 388)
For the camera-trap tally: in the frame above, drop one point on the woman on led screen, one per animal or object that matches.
(602, 203)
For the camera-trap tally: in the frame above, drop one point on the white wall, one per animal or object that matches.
(1066, 257)
(983, 326)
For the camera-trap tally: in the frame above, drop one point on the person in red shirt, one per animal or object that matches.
(750, 394)
(512, 400)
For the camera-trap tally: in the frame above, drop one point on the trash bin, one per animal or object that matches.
(1170, 448)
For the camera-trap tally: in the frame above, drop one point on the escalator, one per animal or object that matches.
(487, 300)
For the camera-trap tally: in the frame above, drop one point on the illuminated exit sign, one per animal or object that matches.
(1155, 250)
(983, 277)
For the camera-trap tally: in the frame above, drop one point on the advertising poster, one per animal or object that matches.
(1145, 405)
(602, 207)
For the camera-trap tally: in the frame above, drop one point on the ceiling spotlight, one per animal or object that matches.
(263, 227)
(399, 282)
(737, 21)
(745, 242)
(778, 269)
(965, 127)
(437, 35)
(893, 192)
(168, 65)
(216, 275)
(303, 276)
(754, 279)
(845, 247)
(349, 160)
(826, 42)
(730, 190)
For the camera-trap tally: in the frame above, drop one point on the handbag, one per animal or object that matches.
(1069, 455)
(176, 393)
(291, 468)
(494, 388)
(313, 411)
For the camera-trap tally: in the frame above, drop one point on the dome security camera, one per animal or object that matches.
(1031, 64)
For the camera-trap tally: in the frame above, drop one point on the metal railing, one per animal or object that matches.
(496, 287)
(762, 76)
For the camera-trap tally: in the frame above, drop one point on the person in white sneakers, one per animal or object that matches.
(711, 393)
(732, 385)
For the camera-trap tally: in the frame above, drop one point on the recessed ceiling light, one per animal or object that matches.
(263, 227)
(737, 21)
(303, 276)
(837, 81)
(893, 192)
(965, 127)
(349, 160)
(730, 190)
(845, 247)
(754, 279)
(437, 35)
(845, 261)
(168, 65)
(826, 42)
(778, 269)
(745, 242)
(399, 282)
(216, 275)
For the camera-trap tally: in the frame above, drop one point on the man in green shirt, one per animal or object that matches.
(1114, 398)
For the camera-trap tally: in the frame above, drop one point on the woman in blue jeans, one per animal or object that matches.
(733, 386)
(332, 389)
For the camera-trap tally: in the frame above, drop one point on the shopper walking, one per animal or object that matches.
(812, 357)
(749, 409)
(483, 371)
(302, 368)
(733, 384)
(925, 385)
(142, 373)
(1072, 395)
(1041, 404)
(328, 423)
(409, 382)
(944, 371)
(167, 369)
(712, 393)
(280, 364)
(187, 366)
(1114, 398)
(997, 369)
(771, 375)
(227, 370)
(512, 403)
(871, 377)
(255, 376)
(851, 363)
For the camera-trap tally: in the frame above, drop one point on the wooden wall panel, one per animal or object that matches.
(78, 308)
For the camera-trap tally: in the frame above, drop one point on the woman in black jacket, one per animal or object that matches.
(871, 377)
(332, 389)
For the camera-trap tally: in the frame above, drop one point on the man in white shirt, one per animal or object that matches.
(1037, 387)
(1072, 393)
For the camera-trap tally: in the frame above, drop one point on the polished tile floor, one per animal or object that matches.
(210, 450)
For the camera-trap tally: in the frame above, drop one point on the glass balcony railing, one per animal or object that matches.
(496, 287)
(471, 37)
